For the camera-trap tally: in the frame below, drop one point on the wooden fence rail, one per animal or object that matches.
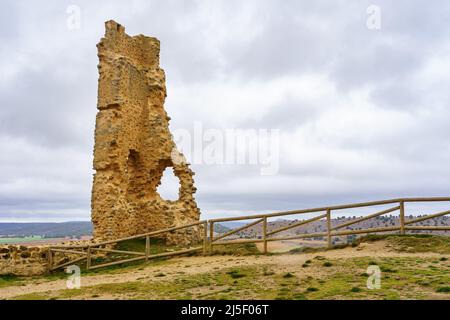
(331, 231)
(86, 251)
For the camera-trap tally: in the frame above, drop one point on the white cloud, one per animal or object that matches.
(362, 115)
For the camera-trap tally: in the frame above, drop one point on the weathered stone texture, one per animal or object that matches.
(23, 260)
(32, 260)
(133, 144)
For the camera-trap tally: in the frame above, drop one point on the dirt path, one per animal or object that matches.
(195, 265)
(286, 245)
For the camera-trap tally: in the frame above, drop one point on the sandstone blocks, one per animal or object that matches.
(23, 260)
(133, 144)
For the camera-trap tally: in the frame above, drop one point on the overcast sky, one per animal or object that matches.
(363, 113)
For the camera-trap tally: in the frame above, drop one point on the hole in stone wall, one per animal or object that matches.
(132, 161)
(133, 176)
(170, 185)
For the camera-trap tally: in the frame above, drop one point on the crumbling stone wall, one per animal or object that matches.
(31, 260)
(133, 144)
(23, 260)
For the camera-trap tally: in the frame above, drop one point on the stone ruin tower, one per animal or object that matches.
(133, 144)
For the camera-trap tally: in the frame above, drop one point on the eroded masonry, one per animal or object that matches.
(133, 144)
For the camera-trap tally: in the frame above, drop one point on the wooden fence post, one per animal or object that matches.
(147, 247)
(265, 234)
(402, 217)
(329, 228)
(88, 258)
(205, 238)
(211, 235)
(50, 259)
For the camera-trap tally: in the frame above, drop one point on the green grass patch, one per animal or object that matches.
(413, 242)
(244, 249)
(17, 240)
(267, 271)
(307, 250)
(157, 245)
(236, 274)
(242, 283)
(158, 275)
(401, 278)
(387, 269)
(8, 280)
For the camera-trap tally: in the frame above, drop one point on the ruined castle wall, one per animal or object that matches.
(28, 260)
(133, 144)
(31, 260)
(23, 260)
(133, 147)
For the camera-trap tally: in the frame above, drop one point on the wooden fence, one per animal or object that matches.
(85, 252)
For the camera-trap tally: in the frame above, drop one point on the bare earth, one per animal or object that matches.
(196, 265)
(286, 245)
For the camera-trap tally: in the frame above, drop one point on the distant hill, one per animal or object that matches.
(231, 224)
(320, 226)
(46, 229)
(76, 229)
(219, 228)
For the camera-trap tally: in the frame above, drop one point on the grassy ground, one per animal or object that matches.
(12, 280)
(402, 278)
(420, 243)
(410, 275)
(9, 280)
(37, 239)
(19, 240)
(245, 249)
(157, 246)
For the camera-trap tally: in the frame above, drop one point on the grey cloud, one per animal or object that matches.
(49, 101)
(372, 64)
(45, 110)
(409, 32)
(397, 95)
(299, 111)
(9, 21)
(288, 43)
